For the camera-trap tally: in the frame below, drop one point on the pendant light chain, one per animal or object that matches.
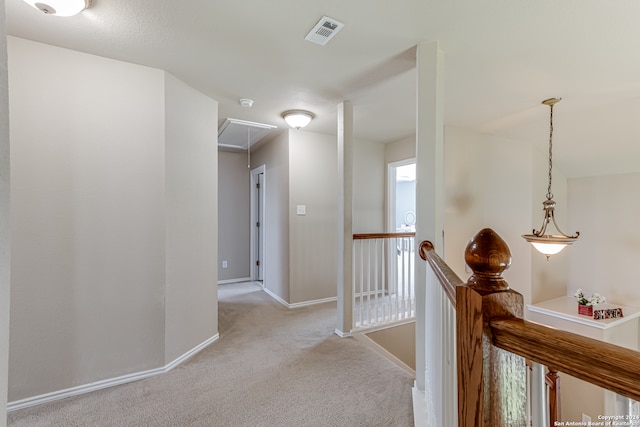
(549, 193)
(547, 242)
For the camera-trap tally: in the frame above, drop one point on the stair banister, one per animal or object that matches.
(491, 381)
(493, 342)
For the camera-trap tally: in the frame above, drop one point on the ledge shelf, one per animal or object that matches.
(566, 308)
(579, 398)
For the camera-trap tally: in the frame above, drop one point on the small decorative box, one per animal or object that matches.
(586, 310)
(609, 313)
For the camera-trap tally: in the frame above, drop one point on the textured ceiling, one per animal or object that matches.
(502, 58)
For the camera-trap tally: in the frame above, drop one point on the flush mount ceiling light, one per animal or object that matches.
(549, 244)
(60, 7)
(297, 119)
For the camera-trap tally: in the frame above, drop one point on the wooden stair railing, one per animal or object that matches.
(365, 236)
(603, 364)
(493, 341)
(447, 278)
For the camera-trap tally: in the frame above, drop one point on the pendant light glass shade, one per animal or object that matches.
(60, 7)
(548, 249)
(550, 244)
(297, 119)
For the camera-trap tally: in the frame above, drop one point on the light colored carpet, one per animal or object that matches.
(272, 367)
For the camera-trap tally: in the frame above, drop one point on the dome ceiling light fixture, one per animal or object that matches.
(550, 244)
(60, 7)
(297, 119)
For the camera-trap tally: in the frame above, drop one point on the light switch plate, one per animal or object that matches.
(301, 209)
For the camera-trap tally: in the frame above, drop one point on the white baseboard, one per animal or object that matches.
(98, 385)
(298, 304)
(312, 302)
(227, 281)
(276, 297)
(342, 334)
(419, 408)
(189, 354)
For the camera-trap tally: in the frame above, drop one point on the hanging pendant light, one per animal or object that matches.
(550, 244)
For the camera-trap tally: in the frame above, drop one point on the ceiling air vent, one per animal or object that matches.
(324, 30)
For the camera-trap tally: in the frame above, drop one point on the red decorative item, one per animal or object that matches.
(586, 310)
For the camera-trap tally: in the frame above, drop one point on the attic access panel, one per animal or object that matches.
(241, 134)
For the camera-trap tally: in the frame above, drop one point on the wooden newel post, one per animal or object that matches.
(491, 382)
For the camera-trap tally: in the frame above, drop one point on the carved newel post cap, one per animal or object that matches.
(488, 256)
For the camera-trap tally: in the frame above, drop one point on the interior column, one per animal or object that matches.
(345, 218)
(429, 178)
(4, 220)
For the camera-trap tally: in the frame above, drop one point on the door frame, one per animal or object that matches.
(257, 196)
(391, 191)
(392, 260)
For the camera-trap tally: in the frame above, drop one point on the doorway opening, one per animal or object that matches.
(401, 190)
(401, 214)
(257, 191)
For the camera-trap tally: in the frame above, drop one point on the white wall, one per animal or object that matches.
(4, 221)
(507, 199)
(191, 160)
(606, 210)
(96, 235)
(312, 237)
(500, 183)
(464, 178)
(303, 267)
(234, 227)
(275, 156)
(497, 183)
(369, 171)
(400, 150)
(86, 218)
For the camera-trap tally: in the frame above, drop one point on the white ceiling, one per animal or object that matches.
(503, 57)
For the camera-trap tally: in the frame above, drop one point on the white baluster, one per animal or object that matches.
(376, 316)
(539, 396)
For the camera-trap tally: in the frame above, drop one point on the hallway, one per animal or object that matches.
(273, 366)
